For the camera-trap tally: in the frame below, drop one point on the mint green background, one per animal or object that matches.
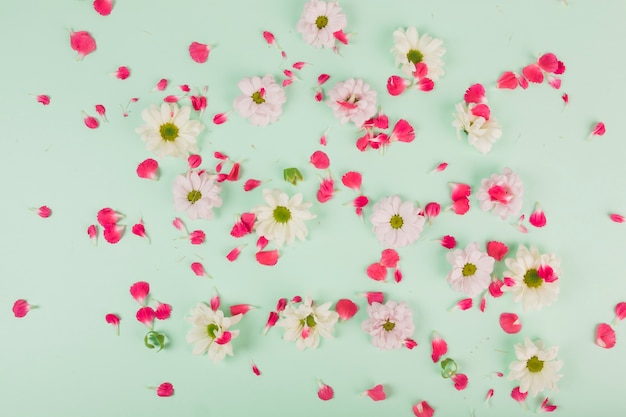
(64, 360)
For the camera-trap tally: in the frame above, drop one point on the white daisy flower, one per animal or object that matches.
(305, 323)
(389, 324)
(352, 101)
(282, 220)
(471, 270)
(262, 100)
(168, 131)
(197, 193)
(481, 133)
(396, 223)
(536, 277)
(501, 193)
(210, 332)
(319, 21)
(409, 49)
(535, 368)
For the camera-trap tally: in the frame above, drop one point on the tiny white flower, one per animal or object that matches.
(168, 130)
(481, 133)
(501, 193)
(261, 100)
(305, 323)
(535, 368)
(396, 223)
(196, 193)
(352, 101)
(282, 220)
(409, 49)
(471, 270)
(389, 324)
(319, 21)
(531, 288)
(210, 332)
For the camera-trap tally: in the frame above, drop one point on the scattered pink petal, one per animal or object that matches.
(287, 82)
(90, 121)
(103, 7)
(432, 210)
(165, 390)
(374, 297)
(352, 180)
(139, 230)
(269, 38)
(161, 85)
(240, 309)
(377, 272)
(43, 99)
(198, 103)
(322, 78)
(326, 190)
(198, 269)
(148, 169)
(255, 369)
(461, 206)
(197, 237)
(271, 321)
(448, 242)
(464, 304)
(620, 311)
(560, 69)
(281, 305)
(251, 184)
(268, 258)
(508, 80)
(215, 301)
(483, 303)
(426, 84)
(244, 225)
(113, 233)
(509, 322)
(497, 250)
(488, 396)
(44, 212)
(360, 202)
(341, 37)
(538, 217)
(389, 258)
(547, 408)
(199, 52)
(233, 174)
(299, 65)
(261, 243)
(495, 288)
(194, 161)
(122, 72)
(441, 167)
(475, 94)
(146, 315)
(163, 311)
(139, 291)
(224, 339)
(423, 409)
(396, 85)
(101, 110)
(92, 232)
(546, 273)
(221, 156)
(377, 393)
(523, 82)
(617, 218)
(439, 347)
(533, 73)
(82, 42)
(403, 132)
(410, 343)
(565, 98)
(548, 62)
(320, 160)
(220, 118)
(598, 130)
(397, 275)
(234, 254)
(460, 381)
(21, 308)
(554, 82)
(325, 392)
(108, 216)
(114, 320)
(481, 110)
(178, 224)
(509, 282)
(519, 396)
(346, 309)
(605, 336)
(460, 191)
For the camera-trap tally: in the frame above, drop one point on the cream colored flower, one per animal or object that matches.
(535, 368)
(410, 48)
(210, 332)
(305, 323)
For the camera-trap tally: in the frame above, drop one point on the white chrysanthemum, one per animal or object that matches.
(168, 131)
(305, 323)
(526, 269)
(471, 270)
(535, 368)
(481, 133)
(501, 193)
(210, 332)
(319, 21)
(389, 324)
(262, 100)
(352, 101)
(197, 193)
(396, 223)
(409, 49)
(282, 220)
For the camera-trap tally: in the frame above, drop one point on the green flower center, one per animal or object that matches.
(396, 221)
(308, 321)
(211, 329)
(257, 98)
(169, 132)
(321, 22)
(534, 364)
(193, 196)
(532, 279)
(282, 214)
(469, 270)
(414, 56)
(389, 326)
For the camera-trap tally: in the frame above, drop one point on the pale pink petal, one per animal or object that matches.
(464, 304)
(377, 272)
(103, 7)
(21, 308)
(509, 322)
(460, 381)
(423, 409)
(268, 258)
(497, 250)
(165, 390)
(178, 224)
(605, 336)
(82, 42)
(215, 301)
(488, 396)
(439, 347)
(377, 393)
(346, 309)
(325, 392)
(199, 52)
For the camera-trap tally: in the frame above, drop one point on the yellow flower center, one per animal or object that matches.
(396, 221)
(257, 98)
(414, 56)
(309, 321)
(534, 365)
(282, 214)
(469, 270)
(388, 326)
(193, 196)
(321, 22)
(169, 132)
(211, 329)
(532, 278)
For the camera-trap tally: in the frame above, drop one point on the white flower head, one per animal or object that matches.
(389, 324)
(168, 130)
(319, 21)
(261, 101)
(396, 223)
(481, 133)
(409, 49)
(535, 276)
(305, 323)
(282, 220)
(535, 368)
(501, 193)
(352, 101)
(471, 270)
(197, 193)
(210, 332)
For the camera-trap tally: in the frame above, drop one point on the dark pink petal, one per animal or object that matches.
(426, 84)
(518, 396)
(224, 339)
(560, 69)
(139, 291)
(483, 303)
(620, 311)
(617, 218)
(598, 130)
(113, 233)
(533, 73)
(269, 37)
(281, 305)
(240, 309)
(464, 304)
(103, 7)
(565, 98)
(605, 336)
(91, 122)
(460, 381)
(243, 226)
(488, 396)
(497, 250)
(320, 160)
(509, 282)
(198, 269)
(234, 254)
(194, 161)
(108, 216)
(148, 169)
(268, 258)
(432, 210)
(43, 99)
(474, 94)
(233, 174)
(397, 275)
(178, 224)
(101, 110)
(287, 82)
(299, 65)
(163, 311)
(377, 272)
(508, 80)
(341, 37)
(360, 202)
(215, 301)
(261, 243)
(495, 288)
(461, 206)
(481, 110)
(538, 217)
(21, 308)
(374, 297)
(114, 320)
(546, 273)
(122, 72)
(197, 237)
(255, 369)
(403, 131)
(220, 118)
(396, 85)
(199, 52)
(548, 62)
(322, 78)
(326, 190)
(377, 393)
(184, 88)
(346, 309)
(198, 103)
(319, 96)
(389, 258)
(161, 85)
(547, 408)
(460, 191)
(44, 212)
(139, 230)
(325, 392)
(271, 321)
(441, 167)
(165, 390)
(423, 409)
(410, 343)
(439, 347)
(509, 322)
(145, 315)
(92, 232)
(448, 242)
(251, 184)
(352, 180)
(82, 42)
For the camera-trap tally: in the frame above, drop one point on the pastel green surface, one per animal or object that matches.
(64, 360)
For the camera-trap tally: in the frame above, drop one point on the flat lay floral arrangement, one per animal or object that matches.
(239, 214)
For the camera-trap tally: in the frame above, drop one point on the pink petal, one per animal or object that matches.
(533, 73)
(488, 396)
(319, 96)
(617, 218)
(538, 217)
(396, 85)
(243, 226)
(163, 311)
(598, 130)
(268, 258)
(448, 242)
(441, 167)
(460, 191)
(82, 42)
(547, 408)
(101, 110)
(161, 85)
(346, 309)
(483, 303)
(481, 110)
(224, 339)
(377, 393)
(352, 180)
(44, 212)
(495, 288)
(360, 202)
(108, 216)
(185, 88)
(439, 347)
(464, 304)
(423, 409)
(139, 291)
(92, 232)
(281, 305)
(178, 224)
(113, 233)
(432, 210)
(240, 309)
(475, 94)
(518, 396)
(269, 37)
(426, 84)
(461, 206)
(523, 82)
(233, 174)
(148, 169)
(199, 52)
(389, 258)
(43, 99)
(325, 392)
(377, 272)
(165, 390)
(271, 321)
(548, 62)
(194, 161)
(139, 230)
(509, 322)
(299, 65)
(114, 320)
(508, 80)
(341, 37)
(103, 7)
(397, 275)
(460, 381)
(21, 308)
(326, 190)
(145, 315)
(197, 237)
(421, 70)
(320, 160)
(509, 282)
(546, 273)
(91, 122)
(198, 103)
(403, 131)
(410, 343)
(251, 184)
(554, 82)
(497, 250)
(234, 254)
(122, 73)
(560, 69)
(215, 301)
(255, 369)
(565, 98)
(374, 297)
(198, 269)
(261, 243)
(620, 311)
(322, 78)
(220, 118)
(605, 336)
